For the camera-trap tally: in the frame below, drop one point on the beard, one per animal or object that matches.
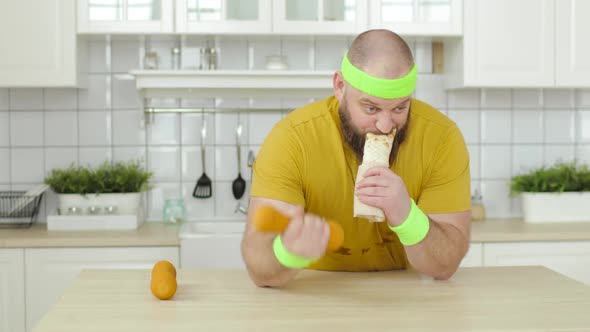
(356, 139)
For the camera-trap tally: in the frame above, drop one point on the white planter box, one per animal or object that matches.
(556, 207)
(57, 222)
(127, 203)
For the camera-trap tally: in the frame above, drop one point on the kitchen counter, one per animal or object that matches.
(148, 234)
(158, 234)
(474, 299)
(515, 230)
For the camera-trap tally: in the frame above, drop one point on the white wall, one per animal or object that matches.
(507, 130)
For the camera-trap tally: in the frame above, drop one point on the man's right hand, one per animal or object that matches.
(306, 235)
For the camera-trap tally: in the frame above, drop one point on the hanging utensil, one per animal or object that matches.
(203, 188)
(238, 187)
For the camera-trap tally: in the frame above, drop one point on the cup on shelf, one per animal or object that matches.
(276, 62)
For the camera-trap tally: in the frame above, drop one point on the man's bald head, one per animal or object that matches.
(381, 53)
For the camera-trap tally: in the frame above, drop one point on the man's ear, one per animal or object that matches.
(338, 83)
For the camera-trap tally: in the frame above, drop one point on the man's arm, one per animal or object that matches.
(262, 265)
(306, 236)
(441, 251)
(443, 248)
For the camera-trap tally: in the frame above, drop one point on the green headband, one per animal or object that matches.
(378, 87)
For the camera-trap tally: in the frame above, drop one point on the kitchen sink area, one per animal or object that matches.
(212, 243)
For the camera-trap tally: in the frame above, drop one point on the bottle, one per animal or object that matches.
(205, 51)
(175, 58)
(478, 211)
(212, 59)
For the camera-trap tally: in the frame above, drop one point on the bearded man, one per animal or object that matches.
(307, 170)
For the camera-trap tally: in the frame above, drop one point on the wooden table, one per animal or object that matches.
(474, 299)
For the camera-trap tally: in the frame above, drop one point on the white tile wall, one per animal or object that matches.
(4, 101)
(30, 128)
(61, 128)
(4, 129)
(507, 130)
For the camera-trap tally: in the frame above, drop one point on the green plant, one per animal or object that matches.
(120, 177)
(560, 177)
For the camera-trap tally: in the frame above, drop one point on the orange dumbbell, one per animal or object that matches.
(268, 219)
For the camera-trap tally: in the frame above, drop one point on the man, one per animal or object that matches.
(307, 168)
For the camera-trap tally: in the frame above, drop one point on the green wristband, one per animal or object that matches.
(414, 228)
(288, 259)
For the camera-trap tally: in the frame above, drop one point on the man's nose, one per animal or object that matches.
(385, 124)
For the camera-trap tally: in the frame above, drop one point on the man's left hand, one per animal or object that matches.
(382, 188)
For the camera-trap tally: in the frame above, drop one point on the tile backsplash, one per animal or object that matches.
(507, 130)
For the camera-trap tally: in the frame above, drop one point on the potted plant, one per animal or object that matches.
(553, 194)
(113, 188)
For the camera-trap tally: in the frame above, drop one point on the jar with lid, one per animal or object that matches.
(151, 60)
(478, 211)
(208, 58)
(174, 211)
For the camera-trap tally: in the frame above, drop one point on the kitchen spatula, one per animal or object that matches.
(203, 188)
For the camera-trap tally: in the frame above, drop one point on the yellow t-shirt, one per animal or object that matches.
(304, 161)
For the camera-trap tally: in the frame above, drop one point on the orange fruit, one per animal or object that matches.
(163, 266)
(163, 285)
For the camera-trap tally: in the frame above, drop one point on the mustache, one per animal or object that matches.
(356, 140)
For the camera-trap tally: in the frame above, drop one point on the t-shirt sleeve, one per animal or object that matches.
(278, 169)
(447, 182)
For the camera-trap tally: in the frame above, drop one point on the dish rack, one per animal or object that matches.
(18, 210)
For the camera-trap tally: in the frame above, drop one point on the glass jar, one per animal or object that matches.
(151, 61)
(478, 211)
(174, 211)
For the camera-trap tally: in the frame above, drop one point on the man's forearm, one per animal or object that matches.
(441, 251)
(262, 265)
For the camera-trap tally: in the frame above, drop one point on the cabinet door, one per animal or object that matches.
(38, 43)
(50, 271)
(418, 17)
(509, 43)
(223, 16)
(569, 258)
(474, 256)
(125, 16)
(12, 290)
(319, 16)
(220, 251)
(573, 48)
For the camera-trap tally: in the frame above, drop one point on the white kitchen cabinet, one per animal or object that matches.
(49, 271)
(474, 256)
(319, 16)
(223, 16)
(418, 17)
(572, 46)
(212, 251)
(527, 43)
(125, 16)
(38, 43)
(505, 44)
(568, 258)
(12, 290)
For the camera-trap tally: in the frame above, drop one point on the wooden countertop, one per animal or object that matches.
(515, 230)
(474, 299)
(158, 234)
(148, 234)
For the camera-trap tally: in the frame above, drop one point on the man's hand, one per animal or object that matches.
(306, 235)
(384, 189)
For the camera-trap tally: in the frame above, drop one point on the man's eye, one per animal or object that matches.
(371, 110)
(400, 109)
